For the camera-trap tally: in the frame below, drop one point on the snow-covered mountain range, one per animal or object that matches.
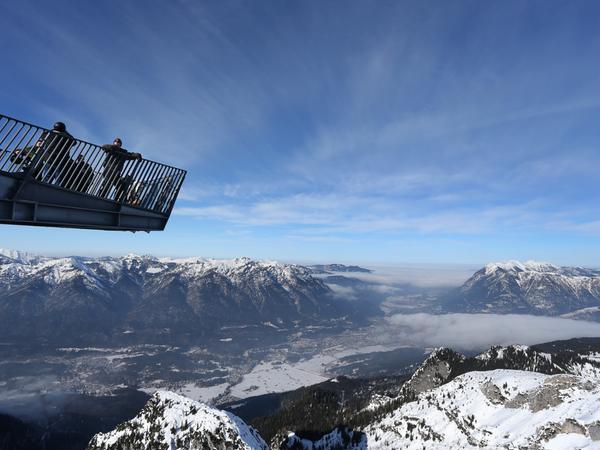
(529, 288)
(508, 397)
(100, 299)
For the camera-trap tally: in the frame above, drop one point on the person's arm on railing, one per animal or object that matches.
(132, 155)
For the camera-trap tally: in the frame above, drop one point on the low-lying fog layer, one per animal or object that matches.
(479, 331)
(422, 275)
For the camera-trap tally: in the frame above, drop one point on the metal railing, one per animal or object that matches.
(59, 159)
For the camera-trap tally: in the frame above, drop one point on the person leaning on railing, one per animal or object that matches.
(113, 164)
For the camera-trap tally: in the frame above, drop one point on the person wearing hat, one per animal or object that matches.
(56, 146)
(112, 165)
(52, 154)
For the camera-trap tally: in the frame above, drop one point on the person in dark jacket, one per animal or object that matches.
(21, 158)
(79, 176)
(112, 165)
(55, 153)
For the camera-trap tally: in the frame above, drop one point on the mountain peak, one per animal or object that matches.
(169, 420)
(18, 256)
(518, 266)
(527, 287)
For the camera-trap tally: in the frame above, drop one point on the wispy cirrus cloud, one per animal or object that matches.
(347, 213)
(331, 126)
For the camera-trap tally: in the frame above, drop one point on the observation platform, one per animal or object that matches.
(48, 178)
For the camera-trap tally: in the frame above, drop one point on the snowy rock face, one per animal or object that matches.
(170, 421)
(444, 364)
(529, 288)
(99, 298)
(433, 372)
(497, 409)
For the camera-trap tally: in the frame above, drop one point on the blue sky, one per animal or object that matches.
(384, 131)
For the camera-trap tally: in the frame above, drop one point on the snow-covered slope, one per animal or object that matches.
(531, 287)
(497, 409)
(503, 408)
(100, 298)
(444, 364)
(442, 368)
(170, 421)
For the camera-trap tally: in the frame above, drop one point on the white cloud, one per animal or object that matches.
(343, 291)
(425, 276)
(479, 331)
(341, 212)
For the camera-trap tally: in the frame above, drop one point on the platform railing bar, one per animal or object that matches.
(128, 194)
(40, 165)
(144, 187)
(108, 183)
(27, 154)
(15, 135)
(21, 161)
(164, 187)
(167, 191)
(177, 182)
(60, 160)
(166, 194)
(97, 161)
(79, 183)
(148, 187)
(5, 125)
(39, 155)
(76, 180)
(176, 186)
(144, 171)
(23, 136)
(124, 188)
(9, 153)
(155, 176)
(63, 165)
(70, 171)
(54, 167)
(144, 184)
(8, 134)
(156, 194)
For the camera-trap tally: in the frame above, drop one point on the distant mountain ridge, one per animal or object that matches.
(332, 268)
(98, 299)
(528, 288)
